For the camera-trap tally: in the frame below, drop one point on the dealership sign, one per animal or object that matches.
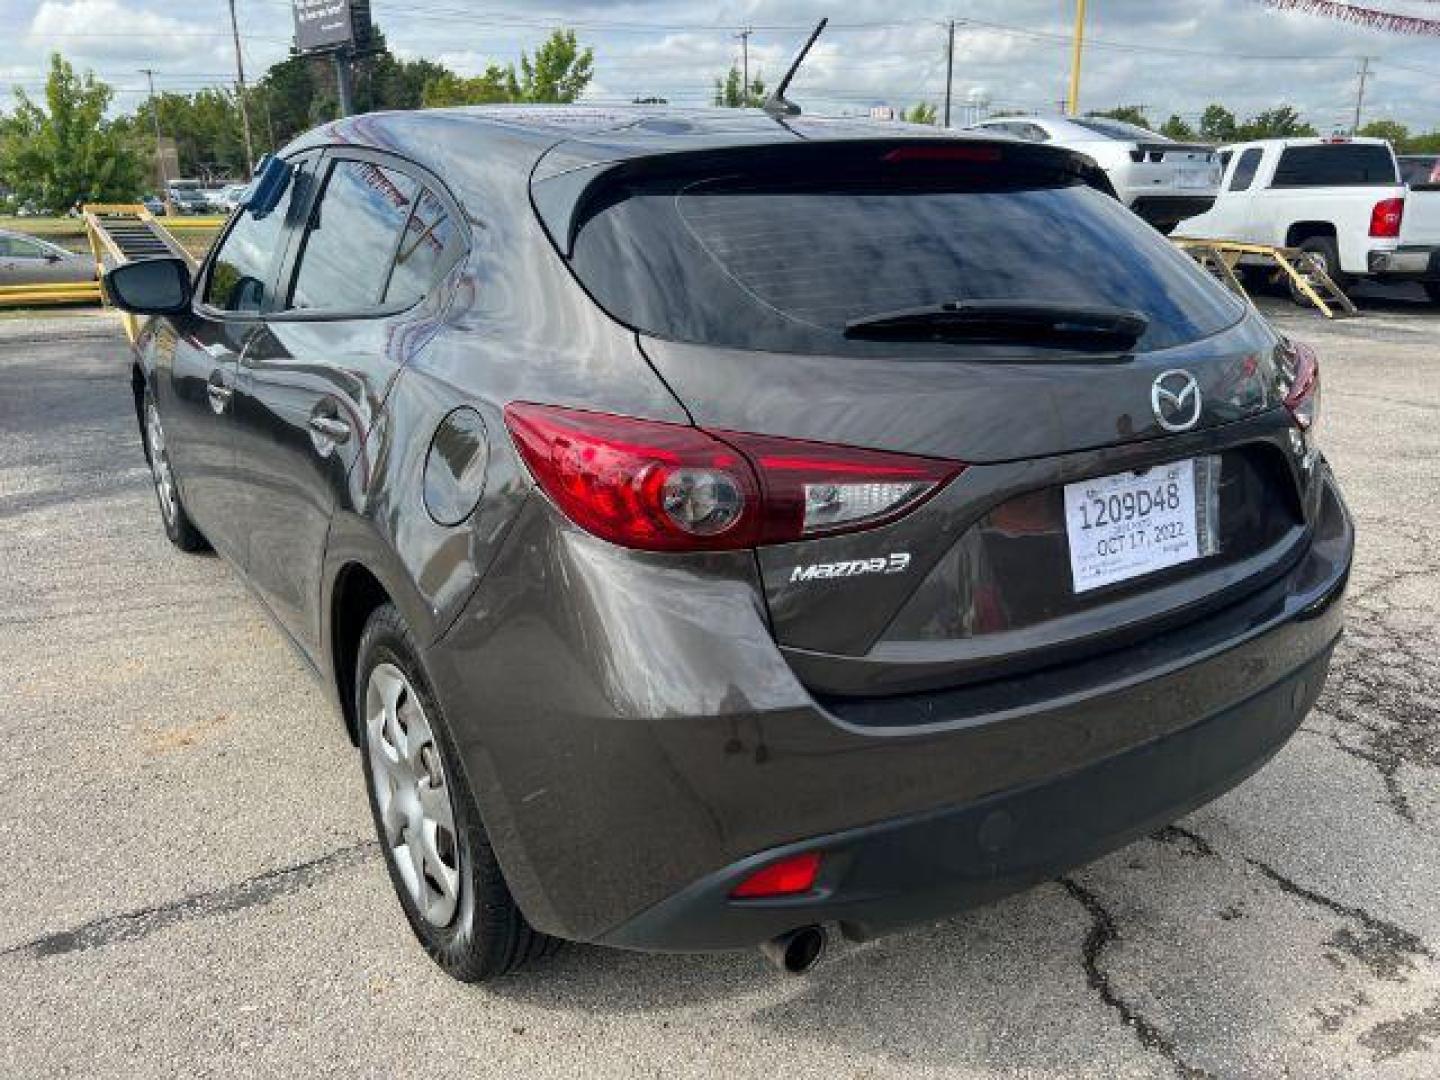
(323, 24)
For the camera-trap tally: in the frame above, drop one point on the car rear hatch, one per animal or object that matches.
(846, 295)
(1179, 166)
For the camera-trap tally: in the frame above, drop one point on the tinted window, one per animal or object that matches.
(15, 247)
(1245, 170)
(1336, 165)
(784, 267)
(431, 244)
(352, 237)
(241, 272)
(1116, 129)
(1417, 171)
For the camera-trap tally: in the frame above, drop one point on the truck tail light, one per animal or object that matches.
(1385, 219)
(670, 487)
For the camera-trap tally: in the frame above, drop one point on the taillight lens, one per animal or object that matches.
(788, 877)
(1386, 218)
(1302, 371)
(668, 487)
(814, 489)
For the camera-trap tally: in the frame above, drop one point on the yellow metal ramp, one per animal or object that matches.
(1307, 277)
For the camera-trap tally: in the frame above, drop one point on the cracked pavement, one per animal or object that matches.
(192, 887)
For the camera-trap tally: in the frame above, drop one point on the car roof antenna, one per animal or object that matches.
(775, 105)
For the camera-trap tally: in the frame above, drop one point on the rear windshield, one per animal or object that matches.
(1117, 129)
(784, 267)
(1336, 165)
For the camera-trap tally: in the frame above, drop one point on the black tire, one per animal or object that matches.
(488, 935)
(1432, 290)
(178, 526)
(1327, 252)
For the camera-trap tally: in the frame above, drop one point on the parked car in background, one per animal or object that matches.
(188, 197)
(1162, 180)
(511, 418)
(1341, 200)
(154, 204)
(1419, 170)
(26, 260)
(227, 198)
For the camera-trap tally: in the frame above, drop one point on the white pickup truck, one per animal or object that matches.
(1342, 200)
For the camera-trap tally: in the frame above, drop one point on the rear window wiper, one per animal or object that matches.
(1031, 322)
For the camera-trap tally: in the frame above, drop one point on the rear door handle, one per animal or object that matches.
(333, 428)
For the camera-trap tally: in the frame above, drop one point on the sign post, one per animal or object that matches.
(335, 27)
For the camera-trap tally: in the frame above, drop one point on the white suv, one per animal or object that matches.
(1162, 180)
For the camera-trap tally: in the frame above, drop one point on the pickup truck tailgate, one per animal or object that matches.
(1421, 225)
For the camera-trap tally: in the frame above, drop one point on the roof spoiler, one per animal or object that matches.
(566, 199)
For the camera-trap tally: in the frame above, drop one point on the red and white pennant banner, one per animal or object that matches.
(1361, 16)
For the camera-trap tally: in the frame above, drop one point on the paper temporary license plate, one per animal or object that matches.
(1131, 524)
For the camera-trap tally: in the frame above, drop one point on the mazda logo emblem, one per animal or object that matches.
(1175, 397)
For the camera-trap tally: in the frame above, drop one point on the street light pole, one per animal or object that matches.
(1073, 104)
(1360, 94)
(240, 95)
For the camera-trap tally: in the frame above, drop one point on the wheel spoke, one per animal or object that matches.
(440, 877)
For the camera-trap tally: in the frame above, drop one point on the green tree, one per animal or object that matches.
(495, 86)
(1394, 132)
(205, 126)
(559, 73)
(1218, 125)
(1177, 129)
(731, 93)
(923, 113)
(1128, 114)
(67, 152)
(1278, 123)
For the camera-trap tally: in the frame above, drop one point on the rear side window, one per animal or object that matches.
(1245, 170)
(1336, 165)
(352, 237)
(429, 247)
(783, 266)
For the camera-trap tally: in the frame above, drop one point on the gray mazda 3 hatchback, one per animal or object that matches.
(719, 531)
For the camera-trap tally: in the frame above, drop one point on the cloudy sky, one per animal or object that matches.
(1169, 56)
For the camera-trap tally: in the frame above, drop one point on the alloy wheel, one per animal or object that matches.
(160, 462)
(416, 814)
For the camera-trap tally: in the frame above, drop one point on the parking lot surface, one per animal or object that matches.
(191, 887)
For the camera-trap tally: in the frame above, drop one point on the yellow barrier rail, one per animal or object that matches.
(78, 292)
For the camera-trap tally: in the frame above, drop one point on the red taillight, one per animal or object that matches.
(1385, 219)
(1303, 397)
(788, 877)
(946, 152)
(668, 487)
(639, 483)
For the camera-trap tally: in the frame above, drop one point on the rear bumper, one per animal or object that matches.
(1167, 211)
(889, 875)
(637, 744)
(1406, 264)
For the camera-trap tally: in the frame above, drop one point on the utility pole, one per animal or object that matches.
(149, 74)
(240, 95)
(1360, 93)
(949, 70)
(1073, 105)
(744, 37)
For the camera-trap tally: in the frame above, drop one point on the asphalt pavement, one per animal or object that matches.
(191, 886)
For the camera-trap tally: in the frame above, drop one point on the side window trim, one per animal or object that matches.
(422, 176)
